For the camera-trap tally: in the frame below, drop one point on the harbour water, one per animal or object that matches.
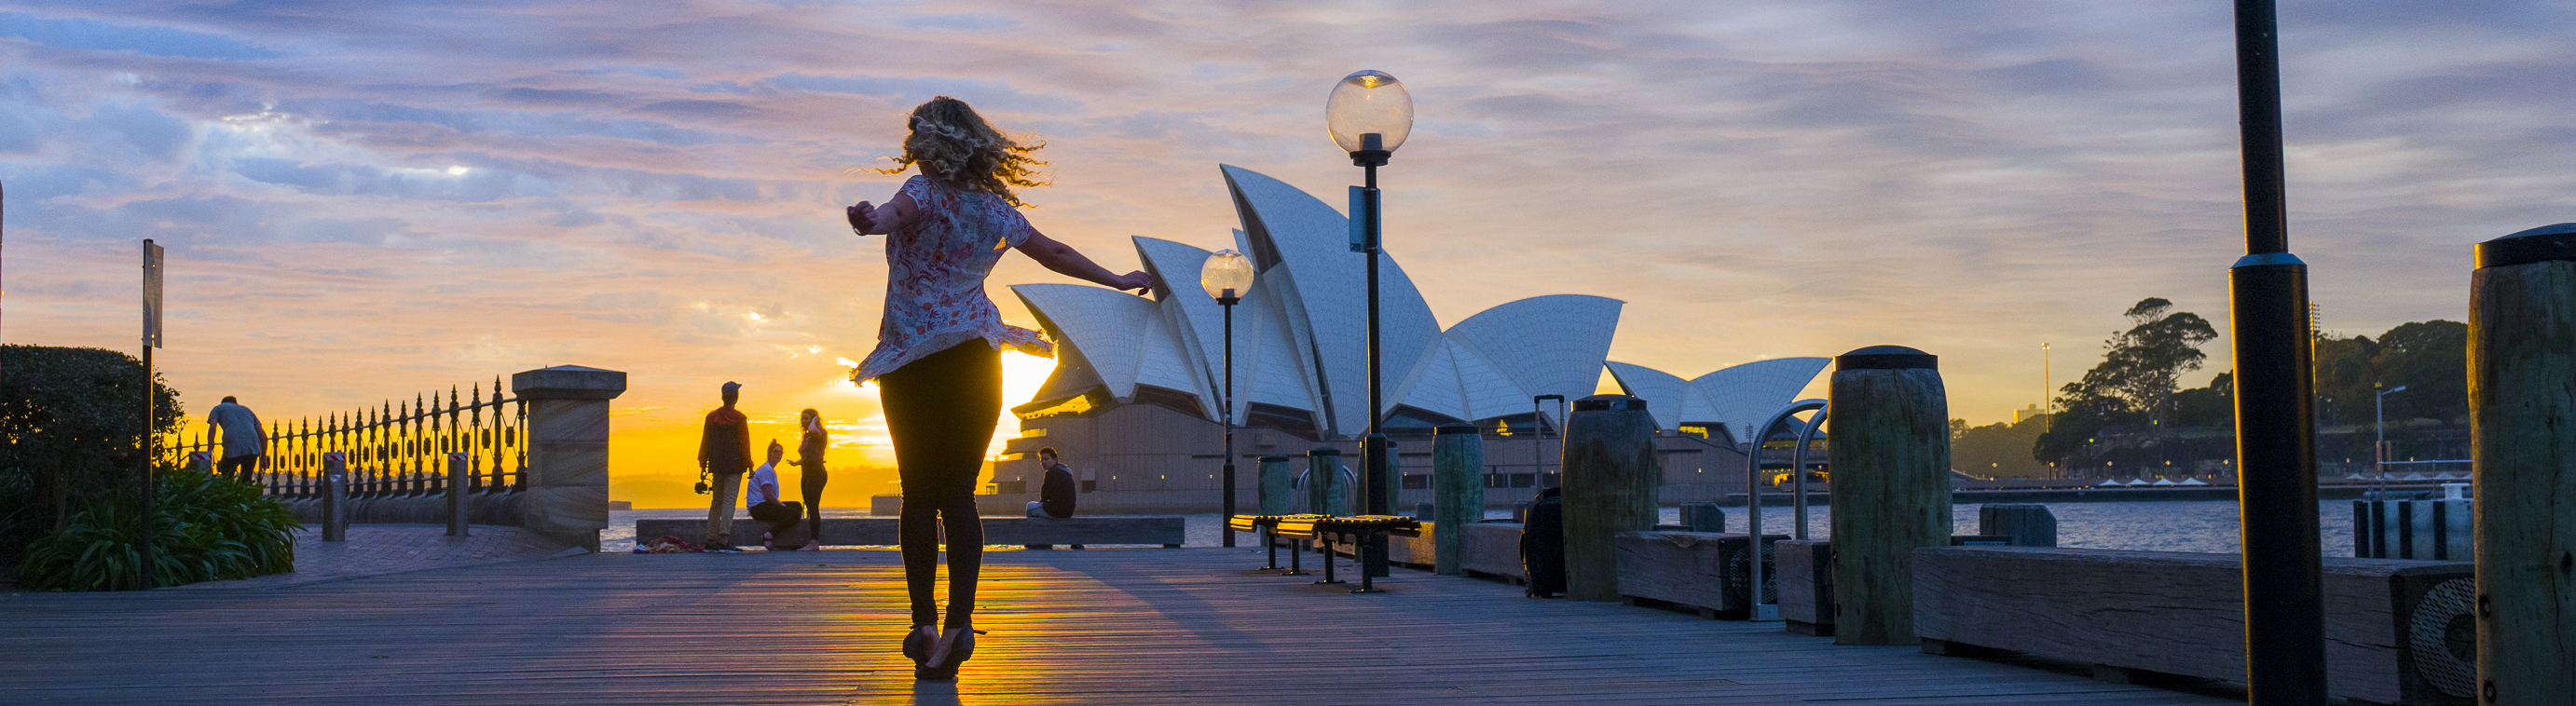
(2170, 526)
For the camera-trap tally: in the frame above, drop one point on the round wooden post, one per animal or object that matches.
(1610, 480)
(2028, 524)
(2522, 429)
(1278, 486)
(1457, 492)
(1890, 454)
(1326, 494)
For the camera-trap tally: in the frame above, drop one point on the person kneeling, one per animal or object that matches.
(1055, 493)
(762, 498)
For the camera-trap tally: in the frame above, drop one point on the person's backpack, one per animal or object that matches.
(1543, 545)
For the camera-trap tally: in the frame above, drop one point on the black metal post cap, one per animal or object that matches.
(1323, 451)
(1274, 458)
(1887, 358)
(1370, 158)
(1456, 429)
(2542, 244)
(1601, 402)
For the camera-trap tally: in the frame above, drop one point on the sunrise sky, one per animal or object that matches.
(365, 201)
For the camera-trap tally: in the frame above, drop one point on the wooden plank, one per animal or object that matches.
(1098, 627)
(880, 531)
(2174, 613)
(1492, 549)
(1681, 568)
(1805, 585)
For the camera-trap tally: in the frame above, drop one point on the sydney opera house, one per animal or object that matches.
(1134, 404)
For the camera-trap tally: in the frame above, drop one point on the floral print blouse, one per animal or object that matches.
(935, 272)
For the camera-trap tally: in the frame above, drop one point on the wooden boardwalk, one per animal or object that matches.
(1144, 626)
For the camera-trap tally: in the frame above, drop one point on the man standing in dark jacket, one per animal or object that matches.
(1055, 492)
(724, 455)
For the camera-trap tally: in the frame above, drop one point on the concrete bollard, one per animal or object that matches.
(457, 504)
(1890, 456)
(1610, 481)
(1704, 517)
(1278, 486)
(2028, 524)
(1457, 492)
(567, 473)
(1326, 494)
(335, 497)
(2522, 427)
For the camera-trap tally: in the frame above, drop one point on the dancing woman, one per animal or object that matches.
(938, 358)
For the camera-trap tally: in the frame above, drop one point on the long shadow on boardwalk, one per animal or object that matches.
(1151, 626)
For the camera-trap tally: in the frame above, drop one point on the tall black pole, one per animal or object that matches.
(2275, 442)
(1373, 447)
(1227, 302)
(146, 488)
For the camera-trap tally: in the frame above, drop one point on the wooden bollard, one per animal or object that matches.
(2522, 430)
(1278, 486)
(1457, 492)
(2028, 524)
(1610, 480)
(1890, 455)
(1326, 494)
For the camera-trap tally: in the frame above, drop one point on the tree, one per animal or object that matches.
(2136, 380)
(1998, 450)
(2431, 358)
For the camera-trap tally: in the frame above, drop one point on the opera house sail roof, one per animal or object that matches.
(1300, 338)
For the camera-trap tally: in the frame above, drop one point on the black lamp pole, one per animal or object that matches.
(1227, 301)
(2275, 442)
(1373, 459)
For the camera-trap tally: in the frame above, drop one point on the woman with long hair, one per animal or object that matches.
(809, 456)
(938, 358)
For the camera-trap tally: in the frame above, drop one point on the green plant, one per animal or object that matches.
(72, 420)
(206, 528)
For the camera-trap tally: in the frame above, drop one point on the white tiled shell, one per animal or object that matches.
(1287, 227)
(1108, 330)
(1662, 391)
(1549, 345)
(1743, 395)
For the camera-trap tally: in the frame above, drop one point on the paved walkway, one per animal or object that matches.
(374, 550)
(1132, 626)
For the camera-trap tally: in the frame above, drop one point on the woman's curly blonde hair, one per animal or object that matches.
(953, 144)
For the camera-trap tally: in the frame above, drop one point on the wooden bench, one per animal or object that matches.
(2388, 621)
(1166, 531)
(1326, 529)
(1492, 550)
(1700, 571)
(1266, 527)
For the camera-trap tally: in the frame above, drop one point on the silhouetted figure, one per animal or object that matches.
(1056, 492)
(938, 358)
(809, 456)
(761, 499)
(1543, 544)
(724, 454)
(245, 443)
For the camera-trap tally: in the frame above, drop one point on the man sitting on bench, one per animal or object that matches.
(762, 498)
(1055, 493)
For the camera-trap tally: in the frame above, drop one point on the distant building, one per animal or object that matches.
(2026, 413)
(1134, 402)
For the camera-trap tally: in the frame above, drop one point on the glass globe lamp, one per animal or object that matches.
(1226, 274)
(1369, 115)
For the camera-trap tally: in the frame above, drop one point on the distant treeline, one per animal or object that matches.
(2129, 411)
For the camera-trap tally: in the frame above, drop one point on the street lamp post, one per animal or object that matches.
(2276, 473)
(1369, 115)
(1224, 275)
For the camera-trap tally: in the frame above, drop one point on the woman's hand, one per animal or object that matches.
(863, 218)
(1137, 280)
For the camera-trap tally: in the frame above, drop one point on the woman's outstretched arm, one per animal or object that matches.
(1066, 261)
(870, 219)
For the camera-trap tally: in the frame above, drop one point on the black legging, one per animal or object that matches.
(940, 410)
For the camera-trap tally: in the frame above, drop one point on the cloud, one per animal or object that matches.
(364, 202)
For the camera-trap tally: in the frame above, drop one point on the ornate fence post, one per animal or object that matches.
(567, 447)
(335, 497)
(457, 501)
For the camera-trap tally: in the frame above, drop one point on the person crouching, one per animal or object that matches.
(763, 499)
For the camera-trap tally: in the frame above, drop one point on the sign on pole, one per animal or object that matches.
(151, 294)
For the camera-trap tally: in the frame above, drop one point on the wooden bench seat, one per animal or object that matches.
(1168, 531)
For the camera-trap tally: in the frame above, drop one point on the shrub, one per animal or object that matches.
(206, 528)
(72, 419)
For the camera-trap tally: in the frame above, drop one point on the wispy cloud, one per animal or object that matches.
(365, 200)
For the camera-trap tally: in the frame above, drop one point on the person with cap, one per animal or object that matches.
(244, 442)
(724, 455)
(938, 360)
